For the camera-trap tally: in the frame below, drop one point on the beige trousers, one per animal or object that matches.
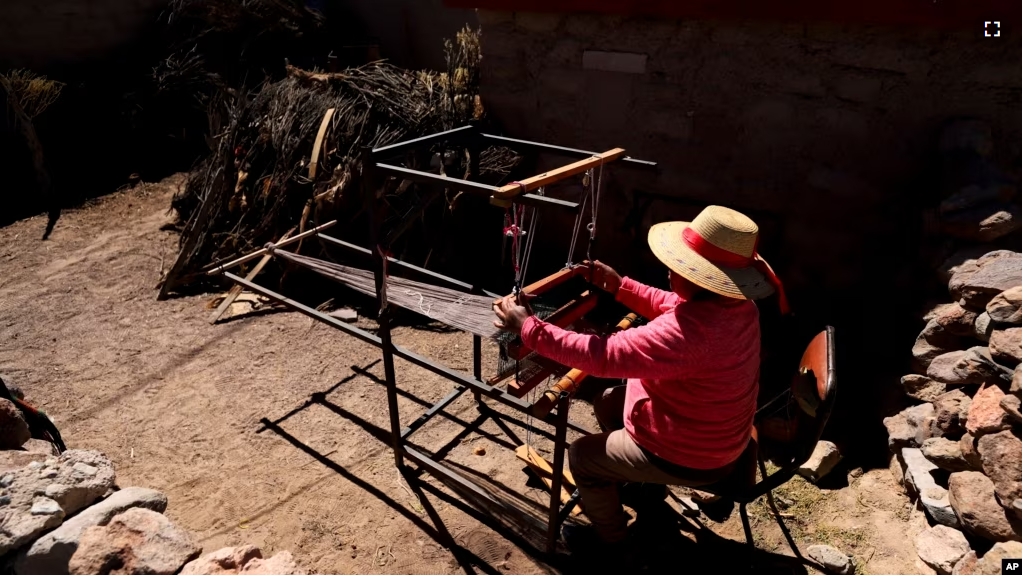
(601, 463)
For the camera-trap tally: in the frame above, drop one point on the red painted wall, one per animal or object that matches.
(931, 13)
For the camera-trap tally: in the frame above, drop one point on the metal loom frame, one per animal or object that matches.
(375, 168)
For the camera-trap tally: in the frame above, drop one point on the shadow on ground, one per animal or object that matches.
(664, 541)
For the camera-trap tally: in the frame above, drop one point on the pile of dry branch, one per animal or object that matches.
(259, 182)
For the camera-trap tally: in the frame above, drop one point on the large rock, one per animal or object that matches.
(991, 563)
(1001, 455)
(950, 413)
(977, 282)
(968, 446)
(973, 366)
(953, 319)
(823, 459)
(973, 498)
(910, 427)
(940, 547)
(13, 428)
(1006, 346)
(986, 415)
(933, 341)
(51, 553)
(922, 388)
(945, 454)
(919, 482)
(830, 558)
(70, 482)
(137, 541)
(965, 256)
(982, 327)
(1005, 307)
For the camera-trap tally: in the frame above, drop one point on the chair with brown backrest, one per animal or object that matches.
(788, 428)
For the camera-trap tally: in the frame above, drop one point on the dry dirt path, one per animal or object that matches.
(180, 406)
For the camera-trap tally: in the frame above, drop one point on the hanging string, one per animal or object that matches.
(588, 186)
(594, 207)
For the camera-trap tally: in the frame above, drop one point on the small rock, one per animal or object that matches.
(945, 454)
(46, 507)
(137, 541)
(701, 497)
(688, 507)
(830, 558)
(968, 446)
(345, 315)
(1006, 346)
(910, 427)
(977, 283)
(922, 388)
(991, 563)
(933, 341)
(967, 564)
(986, 414)
(51, 553)
(823, 459)
(973, 498)
(982, 223)
(973, 366)
(13, 428)
(1005, 307)
(953, 319)
(280, 563)
(223, 561)
(84, 469)
(479, 450)
(1001, 458)
(951, 411)
(1011, 405)
(940, 547)
(982, 327)
(1014, 386)
(919, 481)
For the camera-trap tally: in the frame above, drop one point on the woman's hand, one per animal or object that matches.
(511, 315)
(604, 277)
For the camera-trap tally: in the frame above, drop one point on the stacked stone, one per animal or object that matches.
(958, 450)
(65, 515)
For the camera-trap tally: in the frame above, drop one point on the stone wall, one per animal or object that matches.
(822, 133)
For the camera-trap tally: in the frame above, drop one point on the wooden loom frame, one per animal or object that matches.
(552, 407)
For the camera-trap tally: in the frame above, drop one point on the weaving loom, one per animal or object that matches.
(564, 298)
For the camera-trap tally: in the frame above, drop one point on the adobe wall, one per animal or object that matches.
(823, 133)
(40, 35)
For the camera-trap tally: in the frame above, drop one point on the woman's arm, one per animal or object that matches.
(650, 351)
(645, 300)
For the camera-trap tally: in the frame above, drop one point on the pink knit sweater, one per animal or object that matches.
(693, 371)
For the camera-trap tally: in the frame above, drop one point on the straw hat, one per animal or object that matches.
(718, 253)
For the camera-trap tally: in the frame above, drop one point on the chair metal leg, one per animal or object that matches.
(750, 547)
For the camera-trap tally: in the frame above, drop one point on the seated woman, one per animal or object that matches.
(686, 413)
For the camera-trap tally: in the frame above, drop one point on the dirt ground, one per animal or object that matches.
(272, 429)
